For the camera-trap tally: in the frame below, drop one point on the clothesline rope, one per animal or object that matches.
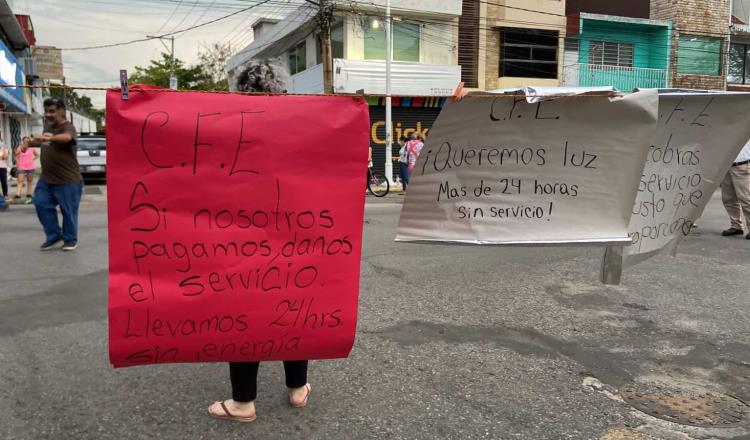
(225, 92)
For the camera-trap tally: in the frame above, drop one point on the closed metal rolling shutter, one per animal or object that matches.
(405, 120)
(468, 42)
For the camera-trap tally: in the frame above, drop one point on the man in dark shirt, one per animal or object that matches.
(61, 183)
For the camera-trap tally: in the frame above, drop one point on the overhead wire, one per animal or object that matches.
(101, 46)
(437, 39)
(277, 12)
(170, 17)
(546, 26)
(564, 26)
(187, 14)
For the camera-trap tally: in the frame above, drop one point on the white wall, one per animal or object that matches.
(741, 10)
(82, 123)
(311, 51)
(432, 7)
(439, 44)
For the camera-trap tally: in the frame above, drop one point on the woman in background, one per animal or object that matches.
(265, 77)
(4, 169)
(413, 148)
(26, 157)
(403, 162)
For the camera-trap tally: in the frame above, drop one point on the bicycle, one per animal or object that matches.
(378, 186)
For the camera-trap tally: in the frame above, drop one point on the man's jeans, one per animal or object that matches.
(46, 199)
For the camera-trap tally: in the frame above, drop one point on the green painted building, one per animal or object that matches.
(607, 50)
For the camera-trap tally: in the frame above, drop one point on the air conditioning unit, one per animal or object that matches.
(29, 66)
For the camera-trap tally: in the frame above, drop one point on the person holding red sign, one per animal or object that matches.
(243, 375)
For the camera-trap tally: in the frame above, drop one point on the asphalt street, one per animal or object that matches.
(454, 342)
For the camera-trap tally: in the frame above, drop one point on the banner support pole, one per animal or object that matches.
(611, 272)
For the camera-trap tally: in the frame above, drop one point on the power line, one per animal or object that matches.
(124, 43)
(546, 26)
(184, 17)
(564, 26)
(170, 17)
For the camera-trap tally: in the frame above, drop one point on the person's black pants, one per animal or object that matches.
(244, 377)
(4, 181)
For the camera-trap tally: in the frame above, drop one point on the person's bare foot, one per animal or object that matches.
(233, 410)
(298, 397)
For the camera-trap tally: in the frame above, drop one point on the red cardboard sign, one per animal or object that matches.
(235, 226)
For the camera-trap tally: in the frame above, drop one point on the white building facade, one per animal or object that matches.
(424, 70)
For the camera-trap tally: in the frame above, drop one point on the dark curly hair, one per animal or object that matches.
(260, 76)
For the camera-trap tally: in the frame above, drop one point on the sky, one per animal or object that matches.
(83, 23)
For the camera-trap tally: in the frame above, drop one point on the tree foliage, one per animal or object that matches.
(157, 73)
(208, 73)
(73, 101)
(213, 59)
(78, 103)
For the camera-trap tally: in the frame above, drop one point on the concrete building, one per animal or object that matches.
(629, 8)
(425, 59)
(699, 41)
(624, 52)
(17, 116)
(520, 43)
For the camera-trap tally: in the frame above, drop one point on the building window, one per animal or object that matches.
(337, 40)
(610, 53)
(528, 53)
(298, 58)
(699, 55)
(337, 43)
(405, 41)
(738, 71)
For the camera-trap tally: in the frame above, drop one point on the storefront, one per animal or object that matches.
(408, 115)
(14, 109)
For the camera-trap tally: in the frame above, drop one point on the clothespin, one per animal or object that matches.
(459, 92)
(124, 84)
(361, 93)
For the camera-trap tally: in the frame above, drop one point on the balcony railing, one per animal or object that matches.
(622, 78)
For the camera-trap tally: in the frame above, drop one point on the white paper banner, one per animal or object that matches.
(698, 137)
(500, 170)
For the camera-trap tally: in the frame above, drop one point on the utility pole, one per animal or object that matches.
(65, 96)
(388, 116)
(325, 15)
(172, 75)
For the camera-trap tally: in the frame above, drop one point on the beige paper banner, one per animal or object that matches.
(505, 171)
(698, 137)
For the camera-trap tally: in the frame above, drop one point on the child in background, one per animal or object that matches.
(26, 165)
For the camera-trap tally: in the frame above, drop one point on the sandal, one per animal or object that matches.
(301, 404)
(229, 416)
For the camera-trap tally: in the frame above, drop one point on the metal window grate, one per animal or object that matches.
(739, 64)
(611, 53)
(528, 53)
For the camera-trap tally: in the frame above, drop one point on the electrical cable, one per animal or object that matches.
(101, 46)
